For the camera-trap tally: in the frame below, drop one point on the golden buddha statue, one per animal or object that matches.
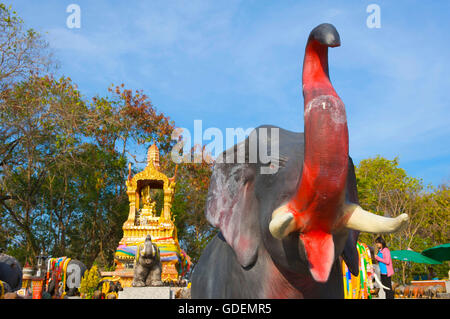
(148, 207)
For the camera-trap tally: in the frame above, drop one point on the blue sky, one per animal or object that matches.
(237, 63)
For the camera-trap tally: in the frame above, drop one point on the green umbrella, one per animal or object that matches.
(409, 255)
(441, 252)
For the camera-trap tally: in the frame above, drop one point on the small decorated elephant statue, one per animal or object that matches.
(147, 270)
(109, 288)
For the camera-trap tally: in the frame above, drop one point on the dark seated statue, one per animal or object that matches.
(147, 270)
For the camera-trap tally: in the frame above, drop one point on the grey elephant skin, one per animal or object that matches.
(10, 272)
(147, 271)
(276, 268)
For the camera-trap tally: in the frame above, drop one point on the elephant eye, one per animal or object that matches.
(248, 175)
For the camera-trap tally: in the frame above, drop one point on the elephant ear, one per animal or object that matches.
(156, 252)
(350, 254)
(231, 205)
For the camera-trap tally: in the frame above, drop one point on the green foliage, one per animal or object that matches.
(22, 50)
(89, 282)
(192, 182)
(381, 182)
(38, 117)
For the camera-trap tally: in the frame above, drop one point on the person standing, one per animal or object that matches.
(385, 263)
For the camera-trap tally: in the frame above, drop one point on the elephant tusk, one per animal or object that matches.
(282, 223)
(365, 221)
(377, 280)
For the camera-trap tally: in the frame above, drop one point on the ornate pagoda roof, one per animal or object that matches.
(151, 171)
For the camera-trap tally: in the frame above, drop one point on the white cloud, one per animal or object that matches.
(70, 40)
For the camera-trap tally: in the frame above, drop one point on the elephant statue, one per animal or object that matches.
(74, 272)
(110, 287)
(399, 291)
(286, 203)
(10, 273)
(147, 270)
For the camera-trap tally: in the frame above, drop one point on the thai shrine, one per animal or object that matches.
(150, 192)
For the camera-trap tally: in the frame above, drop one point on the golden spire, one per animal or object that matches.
(153, 156)
(129, 171)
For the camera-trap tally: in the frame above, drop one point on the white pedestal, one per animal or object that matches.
(146, 293)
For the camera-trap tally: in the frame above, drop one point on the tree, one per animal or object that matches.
(117, 125)
(191, 190)
(435, 230)
(21, 51)
(127, 119)
(102, 206)
(436, 205)
(41, 119)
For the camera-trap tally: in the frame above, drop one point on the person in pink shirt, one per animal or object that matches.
(385, 262)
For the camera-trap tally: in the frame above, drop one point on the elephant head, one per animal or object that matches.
(147, 252)
(306, 214)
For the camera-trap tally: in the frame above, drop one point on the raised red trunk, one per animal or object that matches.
(317, 205)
